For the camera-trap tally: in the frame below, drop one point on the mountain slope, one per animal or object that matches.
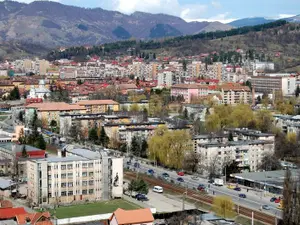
(250, 21)
(294, 19)
(54, 24)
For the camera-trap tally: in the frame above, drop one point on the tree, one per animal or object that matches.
(103, 138)
(22, 138)
(184, 65)
(93, 136)
(185, 113)
(14, 94)
(297, 91)
(144, 148)
(213, 123)
(155, 105)
(137, 81)
(135, 146)
(79, 82)
(264, 120)
(230, 136)
(269, 162)
(24, 152)
(192, 162)
(231, 168)
(223, 206)
(21, 116)
(134, 108)
(53, 124)
(145, 114)
(139, 186)
(198, 127)
(288, 199)
(40, 143)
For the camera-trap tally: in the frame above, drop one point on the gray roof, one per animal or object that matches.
(18, 148)
(88, 154)
(63, 159)
(235, 143)
(4, 184)
(271, 178)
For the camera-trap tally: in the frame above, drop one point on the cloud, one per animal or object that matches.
(223, 18)
(171, 7)
(216, 4)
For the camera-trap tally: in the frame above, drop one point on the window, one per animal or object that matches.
(49, 168)
(49, 177)
(70, 193)
(63, 176)
(91, 165)
(91, 182)
(63, 167)
(49, 185)
(70, 175)
(84, 183)
(70, 184)
(91, 174)
(84, 174)
(63, 185)
(70, 167)
(91, 191)
(49, 195)
(84, 192)
(63, 193)
(84, 165)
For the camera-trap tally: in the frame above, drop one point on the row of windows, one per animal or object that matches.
(71, 193)
(70, 175)
(71, 184)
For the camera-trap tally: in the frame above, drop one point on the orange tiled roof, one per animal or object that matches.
(137, 216)
(190, 86)
(97, 102)
(9, 213)
(34, 218)
(55, 106)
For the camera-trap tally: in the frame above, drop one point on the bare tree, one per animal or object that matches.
(269, 162)
(192, 162)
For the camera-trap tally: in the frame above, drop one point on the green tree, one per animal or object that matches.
(155, 105)
(144, 148)
(223, 206)
(297, 91)
(139, 186)
(14, 94)
(103, 138)
(134, 108)
(93, 136)
(230, 136)
(40, 142)
(184, 65)
(135, 148)
(53, 124)
(24, 152)
(185, 113)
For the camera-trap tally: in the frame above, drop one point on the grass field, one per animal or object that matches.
(93, 208)
(3, 117)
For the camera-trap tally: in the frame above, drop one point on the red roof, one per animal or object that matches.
(10, 213)
(33, 154)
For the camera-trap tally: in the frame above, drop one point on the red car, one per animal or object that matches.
(277, 200)
(180, 173)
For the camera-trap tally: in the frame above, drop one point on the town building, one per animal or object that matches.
(133, 217)
(287, 123)
(165, 78)
(235, 94)
(99, 106)
(74, 175)
(41, 92)
(189, 91)
(274, 83)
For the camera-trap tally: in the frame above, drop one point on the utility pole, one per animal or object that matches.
(183, 199)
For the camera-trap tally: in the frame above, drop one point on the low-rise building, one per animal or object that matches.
(235, 94)
(75, 175)
(133, 217)
(99, 106)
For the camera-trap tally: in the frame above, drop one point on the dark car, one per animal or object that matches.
(180, 179)
(242, 196)
(201, 187)
(237, 189)
(211, 181)
(151, 171)
(136, 165)
(165, 175)
(141, 197)
(128, 163)
(273, 199)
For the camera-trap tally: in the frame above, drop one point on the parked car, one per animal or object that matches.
(158, 189)
(242, 196)
(273, 199)
(180, 173)
(136, 165)
(166, 175)
(266, 207)
(237, 189)
(128, 163)
(277, 200)
(151, 171)
(211, 181)
(195, 178)
(201, 187)
(141, 197)
(180, 179)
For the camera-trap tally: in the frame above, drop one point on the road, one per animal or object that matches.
(252, 201)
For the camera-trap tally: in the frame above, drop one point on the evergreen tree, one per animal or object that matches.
(185, 114)
(24, 152)
(103, 139)
(40, 142)
(297, 92)
(93, 136)
(154, 56)
(230, 136)
(135, 147)
(144, 148)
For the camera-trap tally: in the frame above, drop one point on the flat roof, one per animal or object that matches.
(85, 153)
(18, 148)
(235, 143)
(63, 159)
(271, 178)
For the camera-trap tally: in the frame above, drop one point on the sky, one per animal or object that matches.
(198, 10)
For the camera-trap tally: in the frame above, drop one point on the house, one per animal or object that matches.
(4, 204)
(38, 218)
(99, 106)
(132, 217)
(11, 213)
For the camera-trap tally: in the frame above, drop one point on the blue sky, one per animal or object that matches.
(198, 10)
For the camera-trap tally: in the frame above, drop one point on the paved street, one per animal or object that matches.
(254, 200)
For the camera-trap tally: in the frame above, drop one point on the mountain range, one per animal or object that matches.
(53, 24)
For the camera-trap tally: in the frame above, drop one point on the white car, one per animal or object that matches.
(158, 189)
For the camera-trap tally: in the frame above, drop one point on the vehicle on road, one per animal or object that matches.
(166, 175)
(211, 181)
(201, 187)
(266, 207)
(136, 165)
(218, 182)
(151, 171)
(237, 189)
(242, 196)
(195, 178)
(180, 179)
(128, 163)
(273, 199)
(277, 200)
(158, 189)
(141, 197)
(180, 173)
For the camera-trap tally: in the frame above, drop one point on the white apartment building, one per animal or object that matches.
(232, 95)
(74, 175)
(166, 78)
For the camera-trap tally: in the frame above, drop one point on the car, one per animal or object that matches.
(165, 175)
(158, 189)
(151, 171)
(277, 200)
(242, 196)
(180, 173)
(141, 197)
(128, 163)
(201, 187)
(136, 165)
(195, 178)
(273, 199)
(180, 179)
(266, 207)
(210, 181)
(237, 189)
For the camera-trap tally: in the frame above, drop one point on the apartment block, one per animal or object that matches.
(99, 106)
(235, 94)
(74, 175)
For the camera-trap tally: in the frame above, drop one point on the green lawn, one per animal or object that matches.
(93, 208)
(3, 117)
